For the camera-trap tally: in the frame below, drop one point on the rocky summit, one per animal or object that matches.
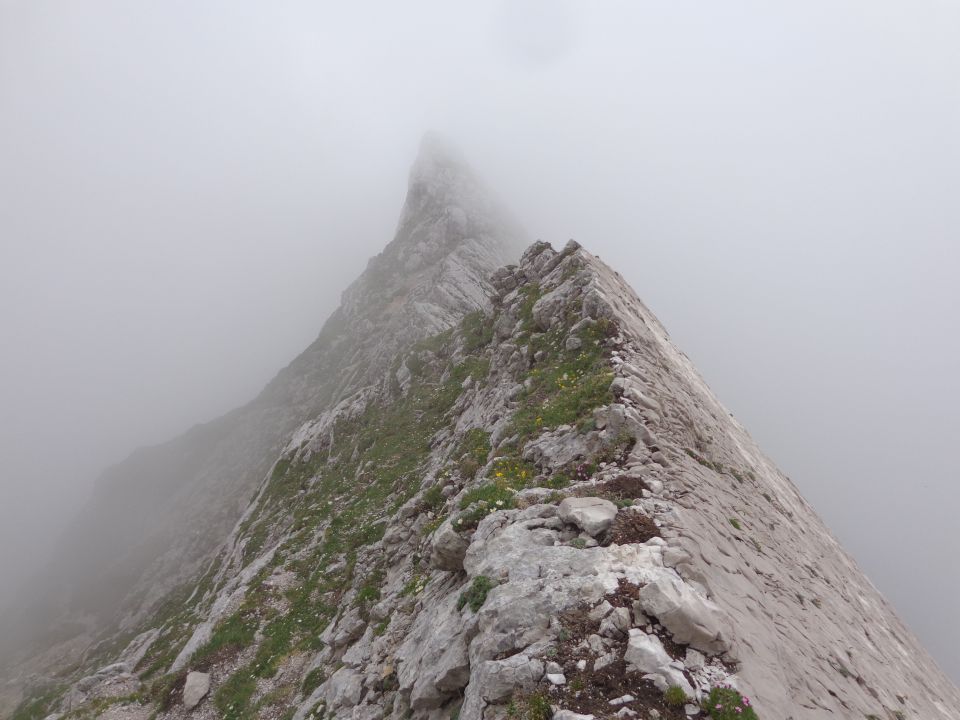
(487, 491)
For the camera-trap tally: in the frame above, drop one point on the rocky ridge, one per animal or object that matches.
(539, 511)
(156, 518)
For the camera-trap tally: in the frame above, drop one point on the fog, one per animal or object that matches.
(186, 188)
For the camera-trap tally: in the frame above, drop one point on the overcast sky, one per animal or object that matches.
(186, 187)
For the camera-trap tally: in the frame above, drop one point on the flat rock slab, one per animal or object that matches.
(593, 515)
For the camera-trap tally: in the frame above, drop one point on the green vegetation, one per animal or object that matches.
(472, 452)
(476, 595)
(715, 466)
(531, 293)
(327, 505)
(371, 467)
(232, 634)
(312, 681)
(477, 331)
(433, 498)
(566, 385)
(512, 472)
(96, 707)
(415, 585)
(38, 705)
(161, 690)
(735, 523)
(531, 707)
(725, 703)
(255, 540)
(481, 501)
(431, 526)
(233, 697)
(538, 707)
(369, 592)
(674, 696)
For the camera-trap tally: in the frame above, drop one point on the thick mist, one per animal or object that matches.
(186, 188)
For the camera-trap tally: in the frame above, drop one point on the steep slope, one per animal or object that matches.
(539, 511)
(156, 517)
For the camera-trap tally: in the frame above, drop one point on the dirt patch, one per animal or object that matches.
(622, 487)
(632, 526)
(590, 691)
(625, 595)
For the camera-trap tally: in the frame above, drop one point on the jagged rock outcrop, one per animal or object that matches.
(540, 510)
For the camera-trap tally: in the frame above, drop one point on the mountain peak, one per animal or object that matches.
(437, 153)
(452, 230)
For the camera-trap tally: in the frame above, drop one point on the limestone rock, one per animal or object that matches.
(690, 617)
(195, 689)
(447, 548)
(645, 653)
(498, 679)
(591, 514)
(344, 688)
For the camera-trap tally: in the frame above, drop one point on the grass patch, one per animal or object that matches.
(531, 707)
(477, 331)
(231, 635)
(233, 697)
(674, 696)
(715, 466)
(482, 501)
(476, 595)
(38, 705)
(565, 385)
(312, 680)
(725, 703)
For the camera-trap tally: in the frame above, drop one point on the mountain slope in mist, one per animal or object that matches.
(482, 493)
(155, 517)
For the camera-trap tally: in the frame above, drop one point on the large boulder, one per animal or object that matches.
(593, 515)
(645, 653)
(691, 618)
(499, 679)
(447, 548)
(195, 689)
(344, 689)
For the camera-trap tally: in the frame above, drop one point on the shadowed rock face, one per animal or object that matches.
(155, 517)
(542, 506)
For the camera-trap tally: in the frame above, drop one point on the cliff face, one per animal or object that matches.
(510, 497)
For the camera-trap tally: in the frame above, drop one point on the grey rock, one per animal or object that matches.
(600, 611)
(344, 689)
(195, 689)
(498, 679)
(694, 660)
(690, 617)
(593, 515)
(447, 547)
(645, 653)
(605, 659)
(616, 624)
(570, 715)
